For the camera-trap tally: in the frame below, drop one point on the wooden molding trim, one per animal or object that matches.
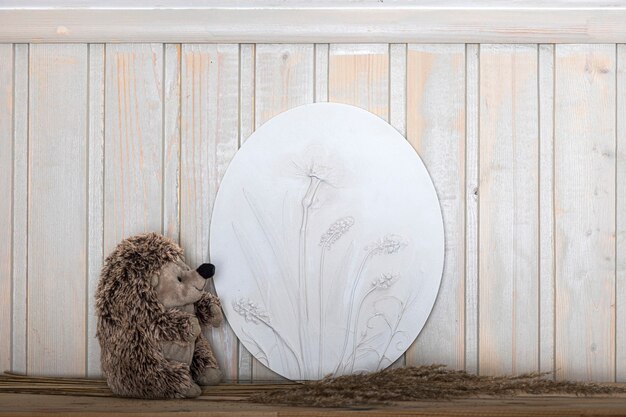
(320, 22)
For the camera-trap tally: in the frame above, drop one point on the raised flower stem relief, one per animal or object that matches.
(334, 232)
(251, 312)
(383, 282)
(318, 168)
(393, 328)
(387, 245)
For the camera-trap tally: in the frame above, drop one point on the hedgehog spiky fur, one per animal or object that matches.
(133, 324)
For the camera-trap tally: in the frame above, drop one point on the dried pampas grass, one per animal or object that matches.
(433, 382)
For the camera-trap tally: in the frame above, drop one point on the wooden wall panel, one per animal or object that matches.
(284, 78)
(620, 220)
(6, 203)
(57, 209)
(472, 105)
(398, 86)
(508, 204)
(358, 74)
(171, 141)
(19, 326)
(246, 127)
(209, 140)
(523, 142)
(133, 151)
(436, 129)
(585, 211)
(546, 208)
(95, 212)
(321, 72)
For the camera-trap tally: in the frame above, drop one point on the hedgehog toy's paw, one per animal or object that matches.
(212, 376)
(193, 391)
(196, 329)
(217, 318)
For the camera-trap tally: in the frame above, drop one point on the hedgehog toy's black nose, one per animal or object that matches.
(206, 270)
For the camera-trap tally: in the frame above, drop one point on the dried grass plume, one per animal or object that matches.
(433, 382)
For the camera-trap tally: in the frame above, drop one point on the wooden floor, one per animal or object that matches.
(23, 396)
(210, 406)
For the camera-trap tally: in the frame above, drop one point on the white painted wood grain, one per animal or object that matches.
(133, 164)
(20, 210)
(398, 86)
(246, 127)
(436, 129)
(358, 74)
(6, 203)
(185, 4)
(508, 220)
(321, 72)
(171, 141)
(327, 23)
(546, 208)
(247, 90)
(141, 165)
(585, 211)
(95, 195)
(284, 78)
(209, 140)
(472, 90)
(57, 210)
(620, 221)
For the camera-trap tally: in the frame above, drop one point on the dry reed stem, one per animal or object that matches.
(432, 382)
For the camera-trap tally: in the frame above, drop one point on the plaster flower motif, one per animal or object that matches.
(250, 311)
(335, 231)
(385, 281)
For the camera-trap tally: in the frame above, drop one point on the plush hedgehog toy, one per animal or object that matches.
(150, 307)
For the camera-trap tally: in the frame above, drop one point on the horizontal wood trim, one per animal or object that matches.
(363, 23)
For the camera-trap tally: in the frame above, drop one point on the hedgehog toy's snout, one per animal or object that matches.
(206, 270)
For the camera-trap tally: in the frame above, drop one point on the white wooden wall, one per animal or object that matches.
(526, 145)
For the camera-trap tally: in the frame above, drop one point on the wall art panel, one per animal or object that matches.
(328, 240)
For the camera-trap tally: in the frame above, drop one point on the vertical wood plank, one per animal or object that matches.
(620, 249)
(321, 72)
(6, 206)
(436, 129)
(358, 74)
(246, 127)
(133, 164)
(284, 79)
(171, 141)
(585, 211)
(398, 86)
(95, 193)
(397, 109)
(209, 140)
(472, 89)
(508, 220)
(57, 207)
(20, 209)
(546, 208)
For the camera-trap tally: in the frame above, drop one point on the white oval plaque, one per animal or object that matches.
(327, 238)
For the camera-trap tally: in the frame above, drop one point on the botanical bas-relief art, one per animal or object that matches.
(327, 238)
